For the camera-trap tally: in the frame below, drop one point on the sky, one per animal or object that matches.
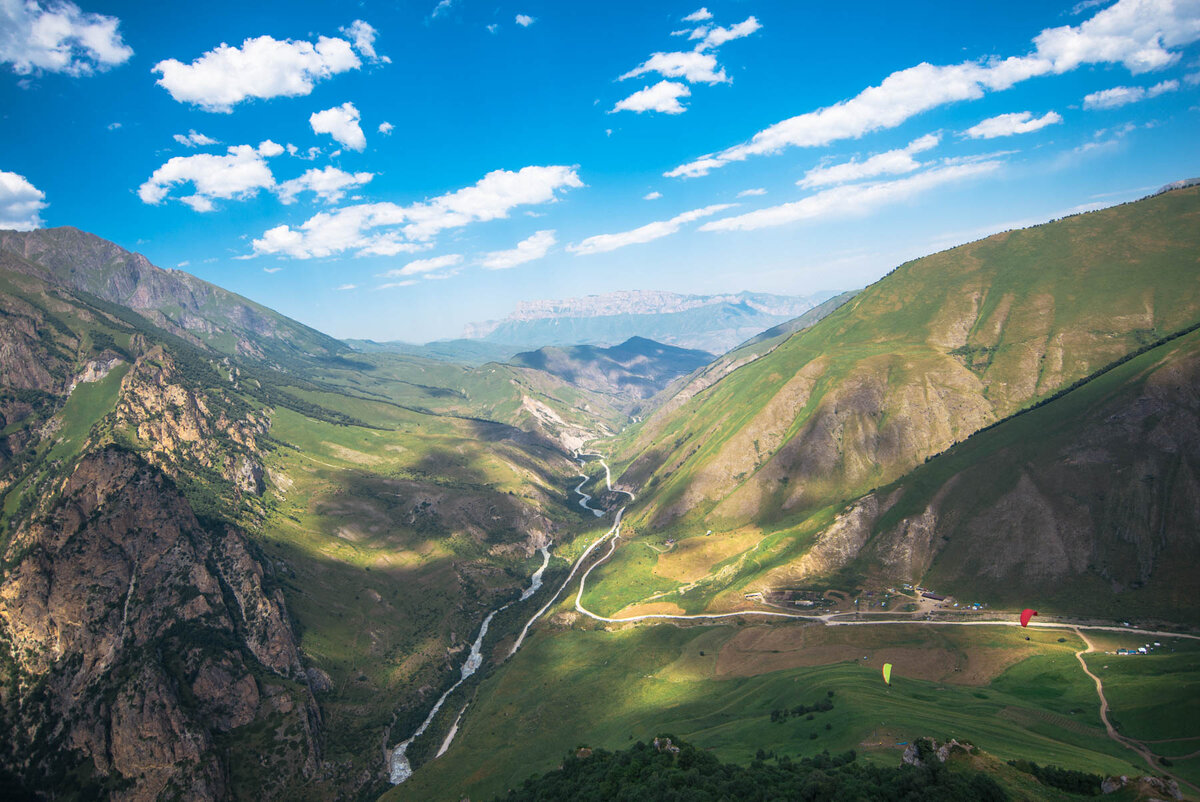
(396, 170)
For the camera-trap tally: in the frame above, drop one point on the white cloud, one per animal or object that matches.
(524, 20)
(719, 36)
(192, 139)
(341, 123)
(746, 193)
(307, 156)
(239, 174)
(652, 196)
(698, 16)
(347, 287)
(1020, 122)
(20, 202)
(492, 28)
(263, 67)
(850, 199)
(364, 41)
(1123, 95)
(663, 96)
(386, 128)
(329, 184)
(386, 229)
(694, 67)
(114, 126)
(602, 243)
(892, 162)
(1136, 33)
(527, 250)
(419, 266)
(443, 7)
(268, 269)
(60, 38)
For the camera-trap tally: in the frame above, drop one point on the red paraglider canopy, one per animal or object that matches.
(1027, 614)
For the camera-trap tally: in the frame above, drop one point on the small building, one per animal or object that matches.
(935, 596)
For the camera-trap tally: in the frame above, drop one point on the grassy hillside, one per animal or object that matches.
(938, 349)
(723, 689)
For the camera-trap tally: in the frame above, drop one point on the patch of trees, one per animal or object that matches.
(646, 774)
(782, 714)
(1069, 780)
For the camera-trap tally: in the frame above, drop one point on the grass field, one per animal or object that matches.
(609, 688)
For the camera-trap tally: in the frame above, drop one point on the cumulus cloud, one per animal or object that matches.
(329, 184)
(1124, 95)
(194, 140)
(698, 16)
(527, 250)
(59, 38)
(241, 173)
(892, 162)
(691, 66)
(386, 229)
(1020, 122)
(602, 243)
(663, 96)
(341, 123)
(386, 128)
(20, 202)
(1140, 34)
(851, 199)
(718, 36)
(652, 195)
(262, 67)
(419, 266)
(363, 36)
(524, 20)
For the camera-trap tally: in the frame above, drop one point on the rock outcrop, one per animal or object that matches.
(141, 647)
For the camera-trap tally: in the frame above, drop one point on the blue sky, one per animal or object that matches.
(396, 170)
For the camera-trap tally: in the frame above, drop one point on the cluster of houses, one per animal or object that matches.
(1140, 650)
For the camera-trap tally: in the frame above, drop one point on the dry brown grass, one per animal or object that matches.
(694, 557)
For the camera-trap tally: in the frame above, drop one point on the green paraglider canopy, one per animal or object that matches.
(887, 673)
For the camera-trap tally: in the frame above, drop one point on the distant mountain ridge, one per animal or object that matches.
(713, 323)
(633, 371)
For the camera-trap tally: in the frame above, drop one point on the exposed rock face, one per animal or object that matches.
(139, 643)
(179, 425)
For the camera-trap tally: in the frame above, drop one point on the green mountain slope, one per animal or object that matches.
(176, 301)
(941, 347)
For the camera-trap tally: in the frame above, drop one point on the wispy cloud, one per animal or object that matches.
(698, 16)
(892, 162)
(1020, 122)
(851, 199)
(194, 140)
(387, 229)
(1124, 95)
(527, 250)
(602, 243)
(749, 193)
(418, 266)
(717, 36)
(347, 287)
(652, 196)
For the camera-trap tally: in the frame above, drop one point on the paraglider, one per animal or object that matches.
(1027, 614)
(887, 673)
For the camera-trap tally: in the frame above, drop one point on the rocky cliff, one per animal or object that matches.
(141, 650)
